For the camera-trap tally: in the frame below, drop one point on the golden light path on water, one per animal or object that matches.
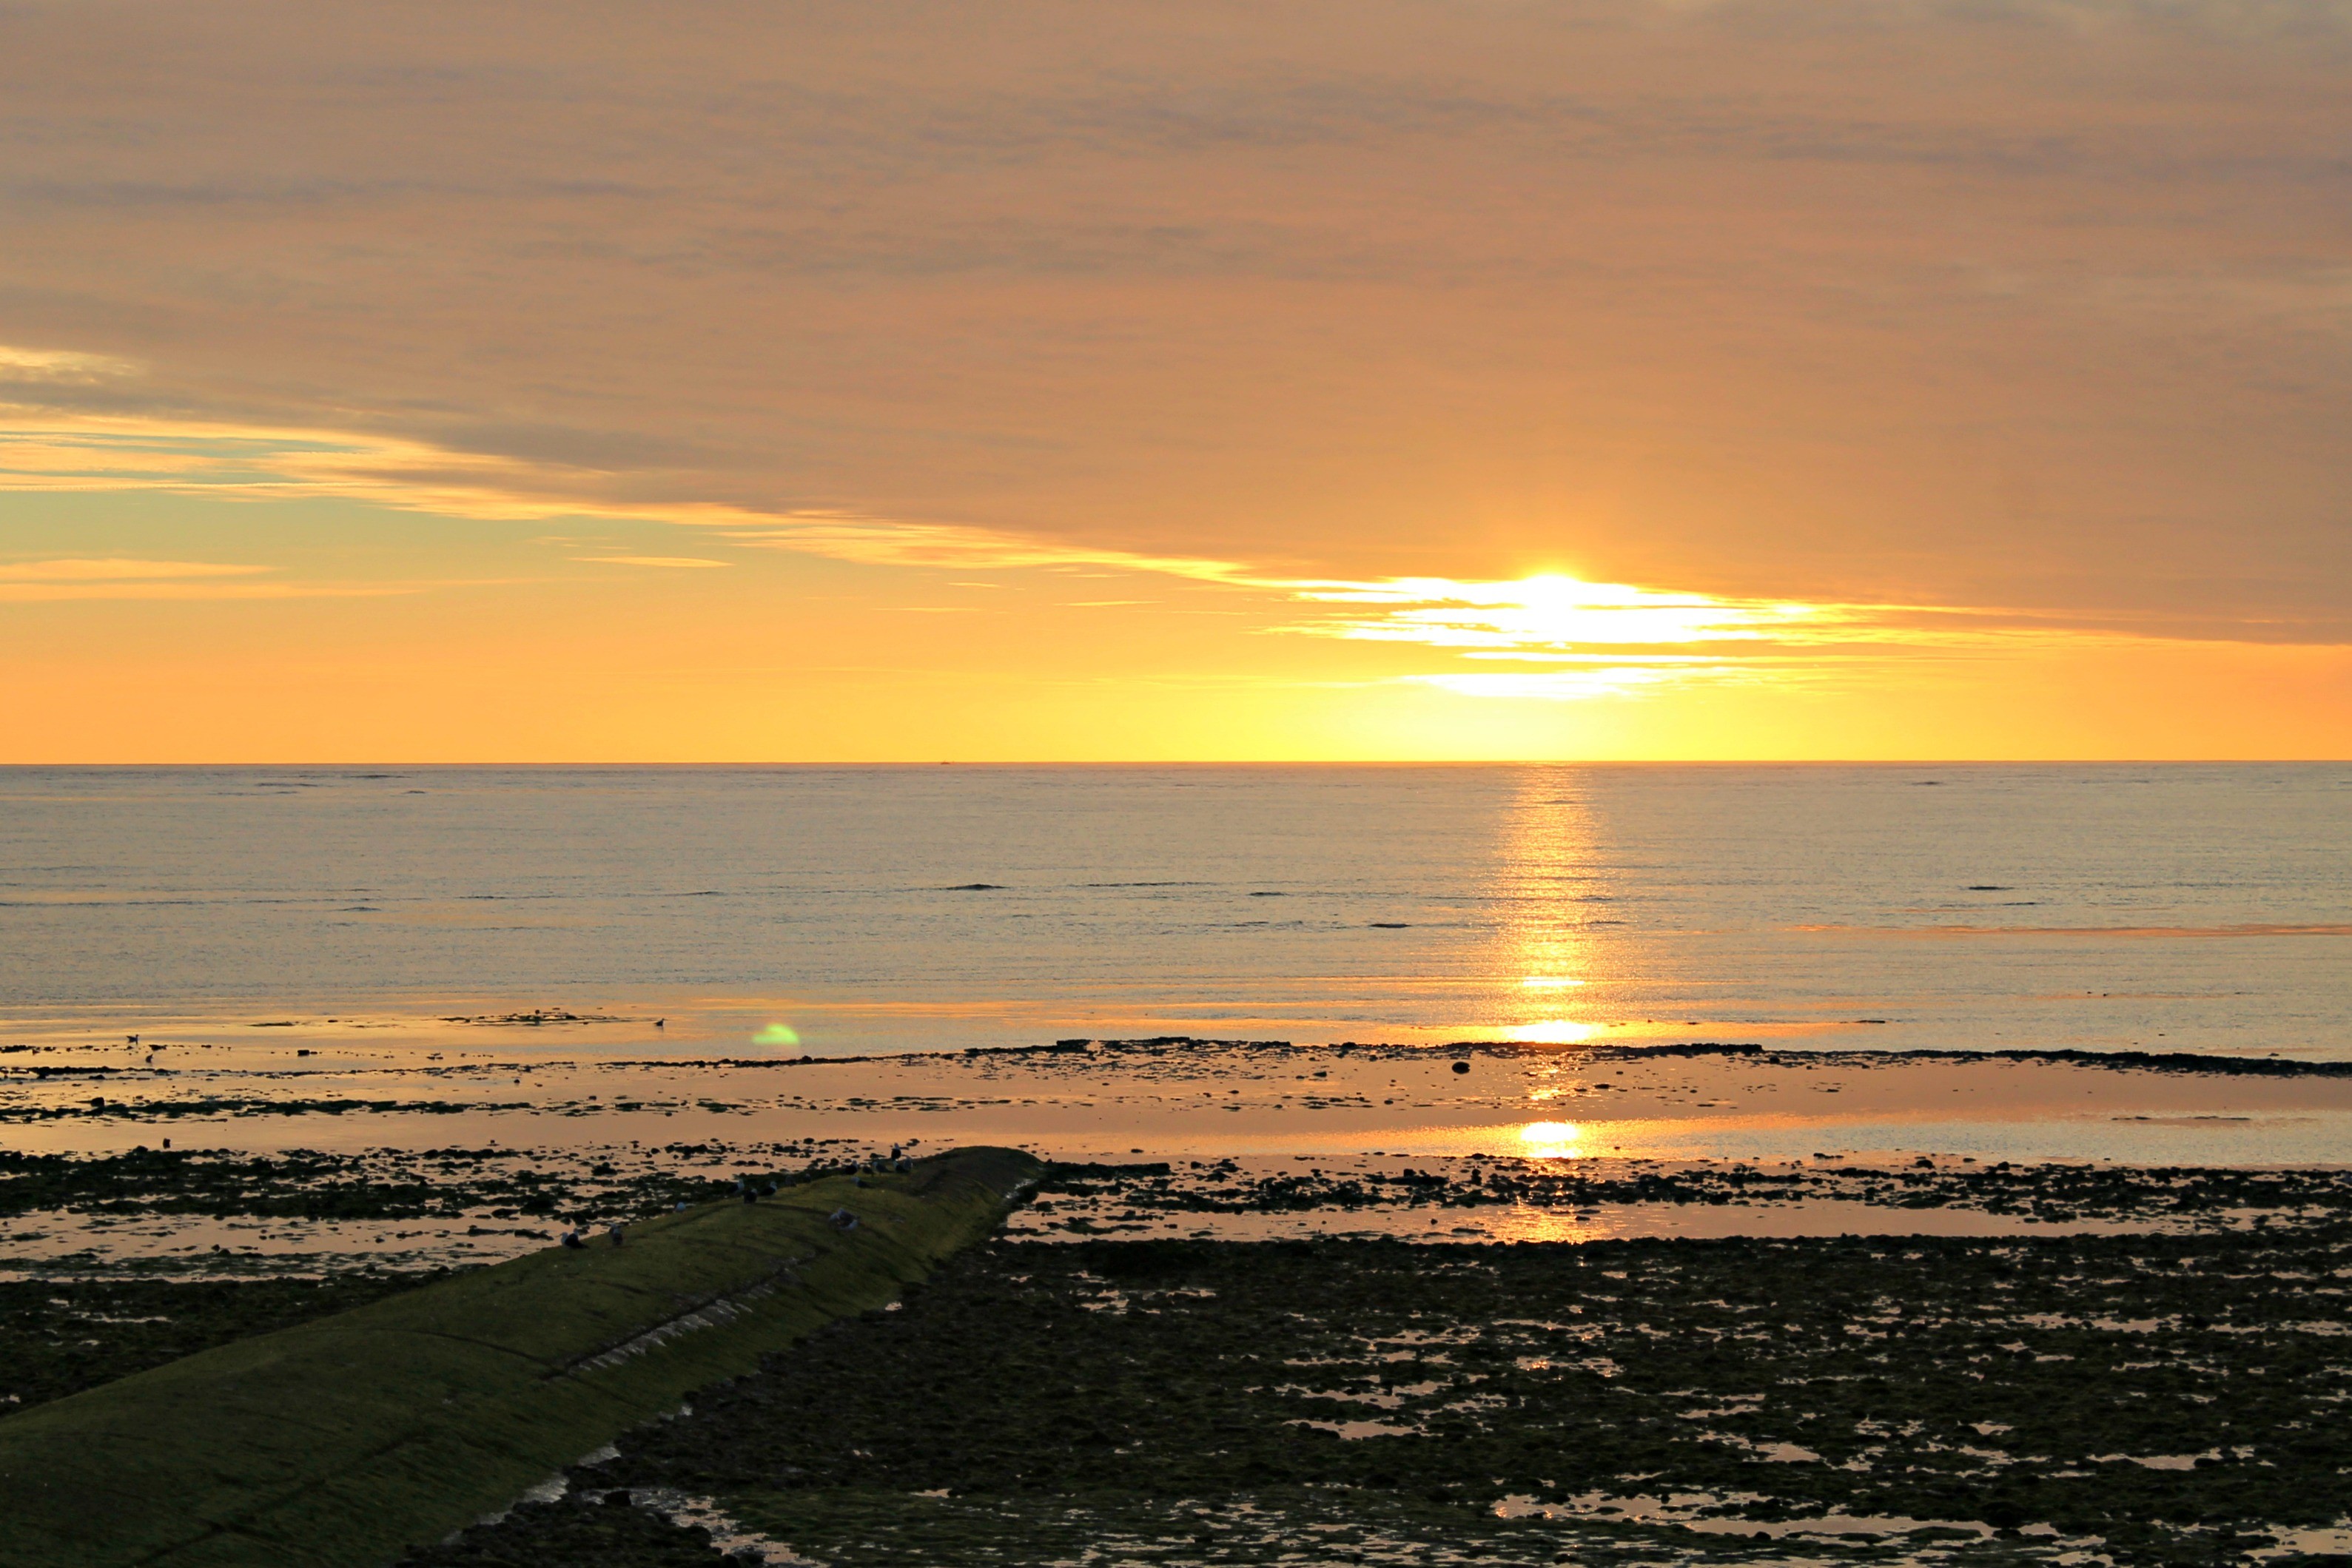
(1550, 1031)
(1552, 1140)
(1549, 874)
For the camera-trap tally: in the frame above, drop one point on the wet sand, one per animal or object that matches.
(2172, 1313)
(598, 1133)
(2075, 1400)
(1193, 1098)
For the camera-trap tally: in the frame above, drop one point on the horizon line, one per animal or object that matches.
(1239, 762)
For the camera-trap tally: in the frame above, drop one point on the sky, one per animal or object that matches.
(754, 380)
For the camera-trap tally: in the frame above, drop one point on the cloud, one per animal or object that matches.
(1545, 613)
(123, 577)
(46, 592)
(1961, 304)
(679, 561)
(112, 570)
(43, 451)
(33, 581)
(59, 367)
(1599, 639)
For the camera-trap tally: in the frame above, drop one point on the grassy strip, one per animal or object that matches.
(338, 1441)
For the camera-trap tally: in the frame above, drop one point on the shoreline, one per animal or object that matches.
(1191, 1097)
(193, 1214)
(1434, 1363)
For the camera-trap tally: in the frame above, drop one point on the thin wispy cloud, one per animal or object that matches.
(1545, 613)
(117, 569)
(55, 367)
(676, 562)
(124, 579)
(42, 451)
(1603, 639)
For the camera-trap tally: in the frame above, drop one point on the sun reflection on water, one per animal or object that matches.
(1552, 1140)
(1551, 1031)
(1544, 951)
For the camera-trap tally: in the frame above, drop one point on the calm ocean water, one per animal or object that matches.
(2172, 907)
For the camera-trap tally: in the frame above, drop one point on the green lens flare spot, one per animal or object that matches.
(776, 1034)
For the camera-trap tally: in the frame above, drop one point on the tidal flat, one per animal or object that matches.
(1181, 1096)
(2127, 1399)
(223, 1214)
(2141, 1367)
(1320, 1304)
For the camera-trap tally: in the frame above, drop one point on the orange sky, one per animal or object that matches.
(890, 381)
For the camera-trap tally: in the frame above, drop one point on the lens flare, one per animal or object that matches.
(777, 1034)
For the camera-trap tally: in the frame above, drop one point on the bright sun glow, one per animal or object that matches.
(1548, 983)
(1546, 614)
(1550, 1140)
(1550, 1031)
(1589, 639)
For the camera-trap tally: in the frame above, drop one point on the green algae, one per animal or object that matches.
(339, 1441)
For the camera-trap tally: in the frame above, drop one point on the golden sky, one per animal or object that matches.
(1459, 378)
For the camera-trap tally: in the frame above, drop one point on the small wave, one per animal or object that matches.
(2251, 930)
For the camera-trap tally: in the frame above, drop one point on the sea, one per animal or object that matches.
(855, 911)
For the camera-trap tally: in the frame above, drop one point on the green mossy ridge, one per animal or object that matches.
(341, 1440)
